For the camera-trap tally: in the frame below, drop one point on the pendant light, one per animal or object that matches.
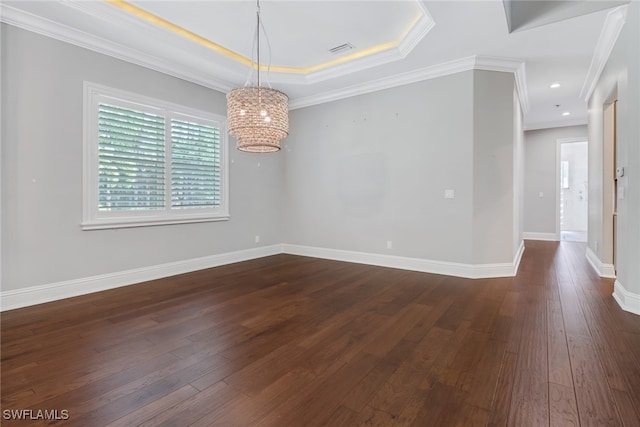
(258, 116)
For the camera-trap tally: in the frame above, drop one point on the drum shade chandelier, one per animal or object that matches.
(258, 116)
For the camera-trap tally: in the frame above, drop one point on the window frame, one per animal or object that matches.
(92, 217)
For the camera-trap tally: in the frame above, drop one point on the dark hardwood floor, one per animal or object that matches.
(294, 341)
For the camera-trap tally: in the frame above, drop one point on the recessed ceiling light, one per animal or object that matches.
(566, 113)
(555, 85)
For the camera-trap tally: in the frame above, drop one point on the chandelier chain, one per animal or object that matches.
(258, 37)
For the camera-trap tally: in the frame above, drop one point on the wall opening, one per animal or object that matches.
(572, 190)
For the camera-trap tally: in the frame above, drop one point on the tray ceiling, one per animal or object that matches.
(392, 43)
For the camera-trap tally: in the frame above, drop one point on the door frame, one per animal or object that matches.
(559, 143)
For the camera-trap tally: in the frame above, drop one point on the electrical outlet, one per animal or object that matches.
(257, 239)
(389, 244)
(449, 194)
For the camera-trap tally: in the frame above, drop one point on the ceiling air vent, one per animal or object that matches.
(341, 48)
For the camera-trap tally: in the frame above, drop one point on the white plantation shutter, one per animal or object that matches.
(131, 153)
(150, 162)
(195, 165)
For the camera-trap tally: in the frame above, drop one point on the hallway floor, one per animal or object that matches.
(573, 236)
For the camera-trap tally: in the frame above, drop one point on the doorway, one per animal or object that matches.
(573, 190)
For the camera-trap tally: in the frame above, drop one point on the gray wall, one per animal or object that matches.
(620, 80)
(42, 241)
(518, 176)
(373, 168)
(540, 176)
(354, 173)
(493, 167)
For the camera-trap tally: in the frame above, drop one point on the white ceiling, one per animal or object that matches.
(395, 42)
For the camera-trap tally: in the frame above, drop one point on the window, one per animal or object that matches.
(149, 162)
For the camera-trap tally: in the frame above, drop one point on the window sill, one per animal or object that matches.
(102, 224)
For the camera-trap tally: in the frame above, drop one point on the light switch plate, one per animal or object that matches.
(449, 194)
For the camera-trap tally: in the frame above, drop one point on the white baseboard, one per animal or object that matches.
(627, 301)
(71, 288)
(518, 258)
(471, 271)
(603, 270)
(528, 235)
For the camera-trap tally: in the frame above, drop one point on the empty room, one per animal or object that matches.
(303, 213)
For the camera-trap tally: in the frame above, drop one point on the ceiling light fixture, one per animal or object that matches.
(555, 85)
(566, 113)
(258, 116)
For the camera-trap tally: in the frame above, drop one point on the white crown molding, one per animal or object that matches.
(417, 32)
(551, 237)
(440, 70)
(71, 288)
(628, 301)
(432, 72)
(452, 67)
(556, 124)
(606, 41)
(515, 66)
(603, 270)
(37, 24)
(471, 271)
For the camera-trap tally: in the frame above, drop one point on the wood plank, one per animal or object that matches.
(563, 411)
(154, 408)
(559, 363)
(389, 400)
(442, 406)
(596, 406)
(629, 413)
(308, 409)
(501, 400)
(529, 403)
(341, 417)
(245, 410)
(390, 336)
